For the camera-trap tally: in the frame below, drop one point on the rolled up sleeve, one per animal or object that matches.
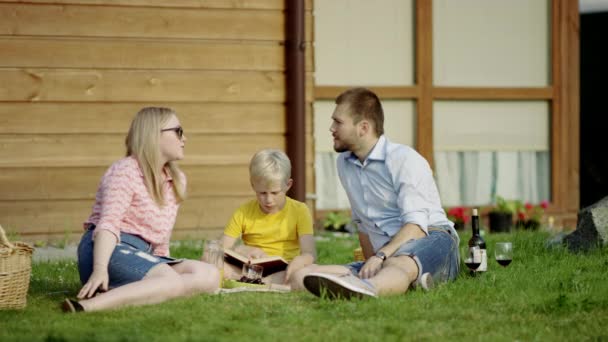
(413, 194)
(421, 219)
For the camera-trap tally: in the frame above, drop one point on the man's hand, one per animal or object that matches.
(372, 266)
(98, 280)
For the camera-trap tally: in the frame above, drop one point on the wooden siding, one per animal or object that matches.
(74, 73)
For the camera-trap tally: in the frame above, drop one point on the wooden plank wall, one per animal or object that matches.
(74, 73)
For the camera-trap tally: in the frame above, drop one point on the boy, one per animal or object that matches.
(272, 224)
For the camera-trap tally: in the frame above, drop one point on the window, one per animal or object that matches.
(490, 85)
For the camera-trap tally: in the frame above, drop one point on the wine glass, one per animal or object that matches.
(252, 274)
(472, 258)
(503, 251)
(213, 253)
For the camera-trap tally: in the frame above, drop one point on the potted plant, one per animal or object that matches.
(530, 215)
(459, 216)
(501, 215)
(336, 221)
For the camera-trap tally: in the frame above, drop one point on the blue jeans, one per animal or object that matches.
(130, 261)
(436, 253)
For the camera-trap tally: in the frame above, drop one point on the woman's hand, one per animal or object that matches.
(105, 242)
(98, 280)
(372, 266)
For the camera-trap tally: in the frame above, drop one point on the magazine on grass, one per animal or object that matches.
(234, 286)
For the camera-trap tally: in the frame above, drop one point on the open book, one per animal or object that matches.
(271, 264)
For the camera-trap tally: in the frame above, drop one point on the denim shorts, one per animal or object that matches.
(130, 261)
(436, 253)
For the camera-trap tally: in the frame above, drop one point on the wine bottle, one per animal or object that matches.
(477, 240)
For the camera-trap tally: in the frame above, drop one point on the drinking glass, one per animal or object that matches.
(213, 253)
(472, 258)
(503, 251)
(252, 274)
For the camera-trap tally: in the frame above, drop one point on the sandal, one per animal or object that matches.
(71, 306)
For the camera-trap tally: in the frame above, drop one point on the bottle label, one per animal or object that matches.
(484, 261)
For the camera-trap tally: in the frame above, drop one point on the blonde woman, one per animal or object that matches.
(123, 257)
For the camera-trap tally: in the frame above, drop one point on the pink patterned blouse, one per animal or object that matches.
(123, 204)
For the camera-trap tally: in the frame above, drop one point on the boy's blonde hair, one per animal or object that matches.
(270, 165)
(143, 143)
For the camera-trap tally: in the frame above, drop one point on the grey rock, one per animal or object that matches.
(556, 242)
(591, 228)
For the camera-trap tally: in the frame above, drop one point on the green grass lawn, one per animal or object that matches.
(543, 295)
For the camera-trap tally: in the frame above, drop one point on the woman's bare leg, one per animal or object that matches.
(232, 272)
(163, 282)
(198, 277)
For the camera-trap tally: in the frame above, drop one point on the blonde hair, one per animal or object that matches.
(270, 165)
(143, 144)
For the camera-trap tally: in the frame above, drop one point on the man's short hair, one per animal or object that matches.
(270, 165)
(363, 104)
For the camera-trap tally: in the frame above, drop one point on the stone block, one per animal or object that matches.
(591, 228)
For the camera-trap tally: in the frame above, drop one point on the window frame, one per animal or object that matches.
(562, 93)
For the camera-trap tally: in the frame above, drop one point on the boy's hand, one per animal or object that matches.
(250, 252)
(256, 253)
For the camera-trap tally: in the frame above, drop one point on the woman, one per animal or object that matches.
(126, 244)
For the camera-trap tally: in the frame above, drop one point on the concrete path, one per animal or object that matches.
(50, 253)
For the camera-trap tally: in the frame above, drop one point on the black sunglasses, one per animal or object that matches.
(179, 130)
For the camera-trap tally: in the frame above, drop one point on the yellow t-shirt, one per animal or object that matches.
(275, 234)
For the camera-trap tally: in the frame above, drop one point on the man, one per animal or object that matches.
(404, 233)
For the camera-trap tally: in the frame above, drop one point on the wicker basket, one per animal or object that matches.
(358, 254)
(15, 270)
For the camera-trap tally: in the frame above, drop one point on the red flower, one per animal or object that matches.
(530, 212)
(458, 214)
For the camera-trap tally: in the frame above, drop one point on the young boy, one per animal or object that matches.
(272, 224)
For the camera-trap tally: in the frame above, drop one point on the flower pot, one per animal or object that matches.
(458, 225)
(532, 225)
(528, 224)
(500, 222)
(343, 228)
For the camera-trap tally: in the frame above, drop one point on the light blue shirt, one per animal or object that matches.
(392, 187)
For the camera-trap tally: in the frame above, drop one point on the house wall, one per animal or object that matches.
(74, 73)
